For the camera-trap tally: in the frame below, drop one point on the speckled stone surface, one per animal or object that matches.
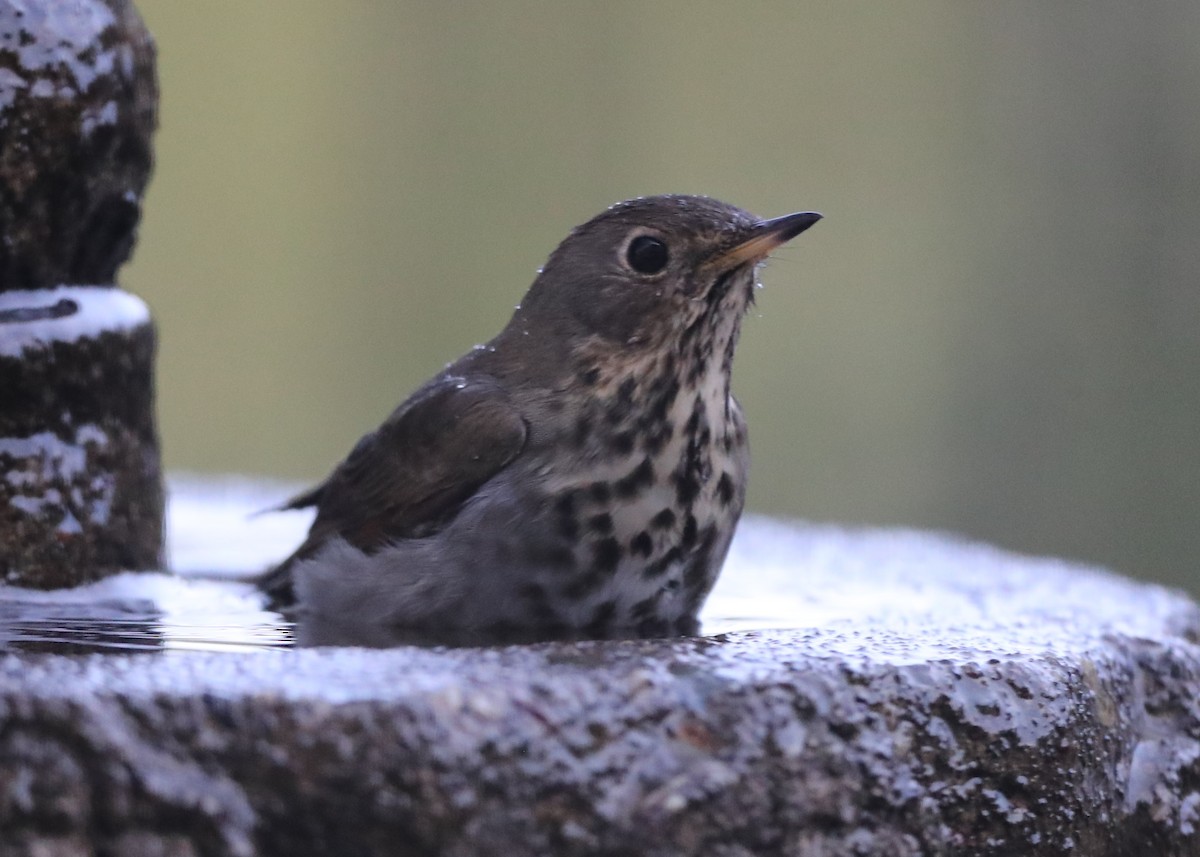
(78, 102)
(80, 488)
(930, 697)
(80, 484)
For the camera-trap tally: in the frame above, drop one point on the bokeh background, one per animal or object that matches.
(995, 331)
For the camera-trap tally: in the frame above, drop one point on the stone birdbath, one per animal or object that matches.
(855, 692)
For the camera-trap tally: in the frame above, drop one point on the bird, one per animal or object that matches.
(579, 476)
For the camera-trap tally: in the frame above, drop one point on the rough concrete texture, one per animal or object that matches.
(932, 697)
(78, 102)
(81, 491)
(80, 488)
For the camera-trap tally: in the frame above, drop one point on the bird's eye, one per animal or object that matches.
(646, 254)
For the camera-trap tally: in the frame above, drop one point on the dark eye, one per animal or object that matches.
(646, 255)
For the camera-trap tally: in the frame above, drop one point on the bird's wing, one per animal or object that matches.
(411, 476)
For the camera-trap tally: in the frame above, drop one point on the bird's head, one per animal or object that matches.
(641, 272)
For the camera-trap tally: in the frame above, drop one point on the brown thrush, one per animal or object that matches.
(581, 474)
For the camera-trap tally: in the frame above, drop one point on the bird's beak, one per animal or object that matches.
(764, 237)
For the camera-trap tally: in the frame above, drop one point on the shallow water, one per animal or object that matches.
(73, 623)
(214, 539)
(205, 615)
(86, 620)
(34, 629)
(912, 590)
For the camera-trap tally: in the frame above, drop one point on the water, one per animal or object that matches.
(121, 627)
(215, 541)
(188, 614)
(116, 616)
(898, 595)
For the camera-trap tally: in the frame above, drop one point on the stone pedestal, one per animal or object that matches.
(905, 695)
(80, 487)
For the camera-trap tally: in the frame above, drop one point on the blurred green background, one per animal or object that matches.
(996, 330)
